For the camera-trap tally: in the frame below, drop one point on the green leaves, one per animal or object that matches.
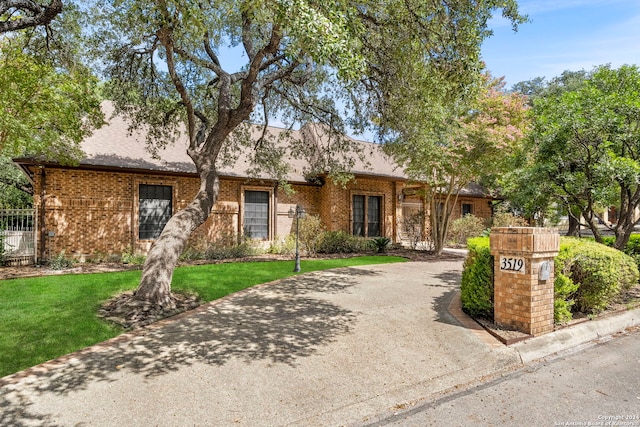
(45, 110)
(585, 144)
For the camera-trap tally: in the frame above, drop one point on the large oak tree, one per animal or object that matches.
(336, 62)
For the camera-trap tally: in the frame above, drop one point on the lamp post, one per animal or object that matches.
(297, 214)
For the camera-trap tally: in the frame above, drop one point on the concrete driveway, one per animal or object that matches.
(327, 348)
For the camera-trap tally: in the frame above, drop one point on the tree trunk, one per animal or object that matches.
(626, 216)
(593, 226)
(574, 225)
(155, 284)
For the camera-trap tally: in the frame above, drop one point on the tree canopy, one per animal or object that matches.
(50, 98)
(585, 143)
(339, 63)
(470, 145)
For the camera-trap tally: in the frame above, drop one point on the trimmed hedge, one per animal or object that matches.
(600, 272)
(632, 248)
(588, 278)
(477, 279)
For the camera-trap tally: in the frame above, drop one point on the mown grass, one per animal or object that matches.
(42, 318)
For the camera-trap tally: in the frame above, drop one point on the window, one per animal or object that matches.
(256, 214)
(467, 209)
(373, 216)
(155, 210)
(358, 215)
(366, 215)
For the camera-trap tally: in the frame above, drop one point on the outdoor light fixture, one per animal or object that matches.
(297, 214)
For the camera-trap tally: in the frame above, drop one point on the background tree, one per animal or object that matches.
(586, 143)
(526, 192)
(475, 146)
(50, 101)
(15, 190)
(304, 60)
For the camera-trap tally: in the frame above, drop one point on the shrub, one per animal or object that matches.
(464, 228)
(413, 226)
(477, 279)
(632, 248)
(2, 249)
(199, 247)
(310, 234)
(223, 249)
(381, 244)
(60, 262)
(564, 289)
(339, 242)
(128, 257)
(588, 278)
(284, 246)
(600, 272)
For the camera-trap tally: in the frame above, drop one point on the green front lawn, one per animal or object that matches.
(42, 318)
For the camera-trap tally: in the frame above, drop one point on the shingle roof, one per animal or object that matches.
(115, 146)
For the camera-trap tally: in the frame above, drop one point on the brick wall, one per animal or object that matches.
(336, 203)
(94, 212)
(522, 298)
(91, 212)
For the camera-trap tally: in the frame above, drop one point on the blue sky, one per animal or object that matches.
(564, 35)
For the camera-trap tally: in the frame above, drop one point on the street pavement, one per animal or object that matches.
(596, 386)
(342, 347)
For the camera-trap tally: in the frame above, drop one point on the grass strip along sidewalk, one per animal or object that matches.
(45, 317)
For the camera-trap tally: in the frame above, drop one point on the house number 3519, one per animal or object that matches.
(512, 264)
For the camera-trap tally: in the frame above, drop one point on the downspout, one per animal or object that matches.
(132, 223)
(43, 228)
(275, 212)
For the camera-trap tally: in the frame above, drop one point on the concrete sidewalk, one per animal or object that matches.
(328, 348)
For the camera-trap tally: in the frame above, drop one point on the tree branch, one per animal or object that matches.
(32, 14)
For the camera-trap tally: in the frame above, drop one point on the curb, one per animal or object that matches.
(568, 338)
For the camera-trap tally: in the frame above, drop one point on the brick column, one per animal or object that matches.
(523, 277)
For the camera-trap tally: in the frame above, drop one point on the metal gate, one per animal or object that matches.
(18, 236)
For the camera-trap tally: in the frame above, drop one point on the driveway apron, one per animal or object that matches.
(325, 348)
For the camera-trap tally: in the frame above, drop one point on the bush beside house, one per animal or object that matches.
(588, 278)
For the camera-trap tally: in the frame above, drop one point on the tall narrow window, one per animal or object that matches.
(358, 215)
(256, 214)
(155, 209)
(373, 216)
(366, 215)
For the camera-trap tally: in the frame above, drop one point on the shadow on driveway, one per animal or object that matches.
(277, 322)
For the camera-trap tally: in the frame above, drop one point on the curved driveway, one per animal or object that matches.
(325, 348)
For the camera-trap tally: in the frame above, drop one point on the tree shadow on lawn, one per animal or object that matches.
(278, 322)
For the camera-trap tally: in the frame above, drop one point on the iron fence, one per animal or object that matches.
(18, 236)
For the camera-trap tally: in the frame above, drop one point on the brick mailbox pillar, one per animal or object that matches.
(523, 277)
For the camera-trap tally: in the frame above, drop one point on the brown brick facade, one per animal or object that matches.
(90, 212)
